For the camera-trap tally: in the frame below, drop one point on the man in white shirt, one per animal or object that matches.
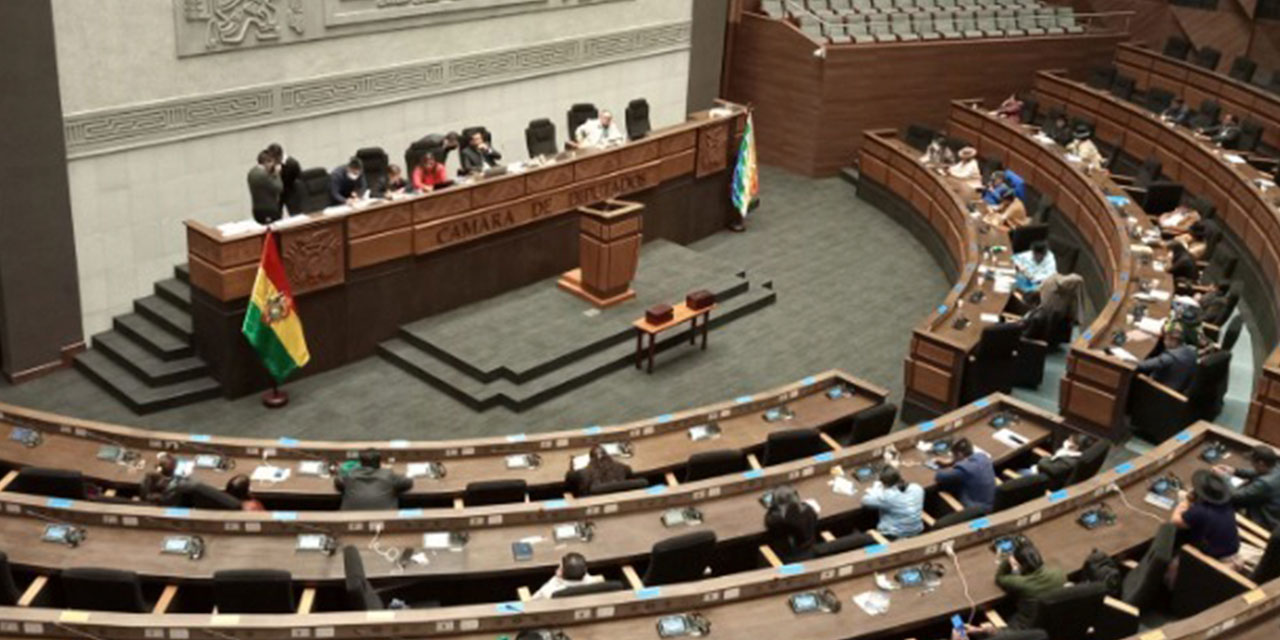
(600, 132)
(572, 572)
(1034, 266)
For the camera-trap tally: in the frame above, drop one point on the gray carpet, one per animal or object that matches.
(851, 285)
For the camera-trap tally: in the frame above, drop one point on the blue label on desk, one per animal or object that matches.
(1124, 468)
(517, 437)
(1183, 436)
(809, 380)
(1115, 297)
(942, 308)
(410, 513)
(824, 456)
(792, 569)
(648, 593)
(592, 430)
(927, 425)
(1124, 276)
(979, 524)
(666, 417)
(1088, 334)
(555, 504)
(59, 503)
(1060, 494)
(753, 474)
(288, 442)
(200, 437)
(876, 549)
(177, 512)
(743, 399)
(980, 403)
(656, 489)
(515, 606)
(1118, 201)
(284, 515)
(958, 288)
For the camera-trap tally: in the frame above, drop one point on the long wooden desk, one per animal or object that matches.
(659, 445)
(1094, 391)
(741, 605)
(1248, 211)
(626, 524)
(935, 364)
(359, 275)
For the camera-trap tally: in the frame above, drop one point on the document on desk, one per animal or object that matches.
(312, 467)
(1233, 158)
(1003, 284)
(238, 227)
(1141, 249)
(1010, 438)
(1153, 295)
(1121, 353)
(269, 473)
(436, 540)
(843, 486)
(1043, 139)
(1153, 326)
(184, 467)
(990, 318)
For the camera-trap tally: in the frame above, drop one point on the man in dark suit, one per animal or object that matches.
(264, 189)
(441, 144)
(369, 487)
(1177, 112)
(478, 156)
(1226, 134)
(347, 183)
(290, 169)
(1176, 365)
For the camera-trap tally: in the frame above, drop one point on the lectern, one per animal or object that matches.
(609, 240)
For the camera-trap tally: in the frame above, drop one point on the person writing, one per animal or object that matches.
(1034, 266)
(1176, 365)
(1083, 148)
(1259, 496)
(966, 169)
(347, 183)
(791, 525)
(598, 133)
(238, 487)
(899, 503)
(429, 174)
(265, 189)
(938, 153)
(1009, 213)
(396, 184)
(601, 470)
(478, 156)
(572, 572)
(969, 475)
(369, 487)
(1206, 515)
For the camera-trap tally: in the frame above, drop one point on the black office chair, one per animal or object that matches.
(709, 464)
(1207, 114)
(630, 484)
(792, 444)
(1200, 585)
(1222, 264)
(1122, 87)
(55, 483)
(919, 136)
(253, 591)
(1067, 613)
(360, 594)
(1023, 237)
(312, 187)
(1042, 213)
(577, 115)
(488, 492)
(1030, 109)
(870, 424)
(540, 138)
(104, 590)
(1268, 568)
(1144, 584)
(956, 517)
(1102, 77)
(9, 591)
(375, 168)
(1158, 99)
(1231, 333)
(1147, 173)
(199, 495)
(1089, 463)
(851, 542)
(604, 586)
(680, 559)
(1160, 196)
(1156, 413)
(992, 366)
(638, 119)
(1242, 69)
(1207, 57)
(413, 155)
(1012, 493)
(1250, 136)
(1177, 47)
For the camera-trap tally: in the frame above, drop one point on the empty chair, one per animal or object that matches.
(1122, 87)
(870, 424)
(987, 24)
(792, 444)
(604, 586)
(922, 25)
(1268, 568)
(9, 591)
(630, 484)
(919, 136)
(904, 6)
(841, 6)
(1007, 22)
(1067, 613)
(709, 464)
(945, 25)
(863, 6)
(991, 367)
(1102, 78)
(1242, 69)
(360, 594)
(312, 187)
(577, 115)
(926, 6)
(878, 27)
(1067, 20)
(1022, 489)
(851, 542)
(1207, 114)
(1250, 136)
(540, 138)
(967, 24)
(1029, 23)
(1158, 100)
(1144, 584)
(857, 30)
(638, 119)
(375, 167)
(253, 591)
(680, 559)
(487, 492)
(945, 5)
(1207, 57)
(55, 483)
(1023, 237)
(809, 25)
(900, 25)
(1160, 196)
(883, 6)
(1177, 47)
(104, 590)
(837, 33)
(773, 8)
(956, 517)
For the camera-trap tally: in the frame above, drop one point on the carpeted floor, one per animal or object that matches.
(850, 282)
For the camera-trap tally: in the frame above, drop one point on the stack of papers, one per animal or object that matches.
(242, 226)
(1010, 438)
(990, 318)
(1003, 284)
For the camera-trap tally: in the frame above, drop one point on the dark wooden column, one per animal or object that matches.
(39, 288)
(706, 53)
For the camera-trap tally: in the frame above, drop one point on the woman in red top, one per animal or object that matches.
(429, 173)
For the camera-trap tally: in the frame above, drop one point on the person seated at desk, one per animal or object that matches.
(1063, 461)
(478, 156)
(266, 188)
(997, 186)
(1196, 239)
(967, 168)
(347, 184)
(1010, 109)
(396, 184)
(572, 572)
(1215, 304)
(238, 487)
(1206, 515)
(162, 486)
(791, 525)
(1259, 496)
(1082, 147)
(1175, 366)
(1034, 266)
(429, 174)
(1182, 265)
(899, 503)
(1009, 213)
(938, 153)
(369, 487)
(1224, 134)
(601, 470)
(1061, 300)
(1179, 220)
(1177, 112)
(1023, 575)
(598, 133)
(1060, 131)
(969, 475)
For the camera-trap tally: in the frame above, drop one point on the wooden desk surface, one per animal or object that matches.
(680, 313)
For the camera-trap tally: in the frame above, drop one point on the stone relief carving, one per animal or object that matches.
(231, 24)
(314, 258)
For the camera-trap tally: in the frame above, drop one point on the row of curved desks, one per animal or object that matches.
(1245, 208)
(1094, 391)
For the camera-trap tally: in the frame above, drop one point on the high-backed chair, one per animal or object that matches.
(630, 484)
(638, 119)
(1067, 20)
(1207, 57)
(1177, 47)
(1144, 584)
(104, 590)
(956, 517)
(680, 559)
(709, 464)
(1067, 613)
(55, 483)
(1157, 412)
(9, 591)
(254, 591)
(1201, 583)
(604, 586)
(791, 444)
(199, 495)
(1222, 264)
(465, 136)
(1102, 78)
(375, 168)
(540, 138)
(1268, 568)
(312, 188)
(1242, 69)
(1030, 109)
(486, 492)
(413, 155)
(1122, 87)
(1160, 196)
(919, 136)
(577, 115)
(1231, 333)
(1024, 236)
(360, 594)
(1250, 136)
(851, 542)
(870, 424)
(1157, 99)
(1090, 462)
(1207, 114)
(991, 367)
(1012, 493)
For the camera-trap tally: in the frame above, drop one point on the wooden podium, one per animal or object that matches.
(609, 240)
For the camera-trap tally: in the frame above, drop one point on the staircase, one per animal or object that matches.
(146, 359)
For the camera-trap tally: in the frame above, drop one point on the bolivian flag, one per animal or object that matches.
(271, 322)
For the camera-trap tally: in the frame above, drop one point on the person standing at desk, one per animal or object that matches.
(429, 174)
(598, 133)
(478, 156)
(369, 487)
(265, 189)
(347, 183)
(1034, 266)
(1259, 496)
(1175, 367)
(290, 169)
(900, 504)
(969, 475)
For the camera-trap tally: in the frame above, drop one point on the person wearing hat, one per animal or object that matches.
(1207, 517)
(1083, 147)
(967, 168)
(1176, 365)
(938, 153)
(1259, 496)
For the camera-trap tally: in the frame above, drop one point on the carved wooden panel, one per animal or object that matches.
(713, 152)
(314, 257)
(379, 220)
(500, 190)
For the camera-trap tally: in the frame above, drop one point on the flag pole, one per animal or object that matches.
(275, 398)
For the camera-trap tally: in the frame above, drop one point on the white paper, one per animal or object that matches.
(1140, 249)
(418, 469)
(1121, 353)
(238, 227)
(843, 486)
(1264, 183)
(184, 467)
(1071, 157)
(311, 468)
(565, 531)
(580, 462)
(1237, 482)
(873, 603)
(1043, 139)
(1010, 438)
(1154, 294)
(291, 221)
(1164, 502)
(817, 508)
(1153, 326)
(435, 540)
(268, 473)
(990, 318)
(531, 539)
(1003, 284)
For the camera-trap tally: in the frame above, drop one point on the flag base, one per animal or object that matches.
(275, 398)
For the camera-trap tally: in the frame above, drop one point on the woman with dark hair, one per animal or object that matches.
(601, 469)
(791, 525)
(900, 504)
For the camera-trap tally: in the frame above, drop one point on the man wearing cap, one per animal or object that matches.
(967, 168)
(1259, 496)
(1207, 517)
(1176, 365)
(1082, 147)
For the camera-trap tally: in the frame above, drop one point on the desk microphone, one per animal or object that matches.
(60, 531)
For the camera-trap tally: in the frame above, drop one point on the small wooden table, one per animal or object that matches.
(680, 314)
